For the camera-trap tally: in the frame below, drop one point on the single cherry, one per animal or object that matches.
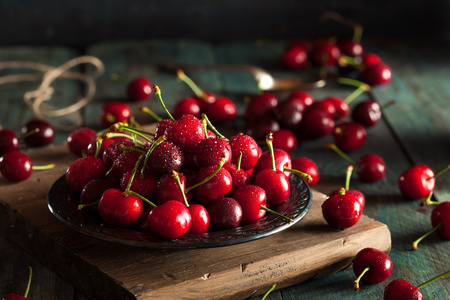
(170, 220)
(16, 166)
(285, 139)
(83, 170)
(417, 181)
(221, 111)
(282, 161)
(79, 139)
(342, 210)
(251, 198)
(289, 115)
(186, 132)
(120, 209)
(187, 106)
(225, 213)
(371, 266)
(209, 151)
(380, 74)
(440, 221)
(38, 133)
(308, 166)
(367, 113)
(114, 112)
(325, 52)
(301, 99)
(356, 193)
(259, 106)
(8, 141)
(349, 135)
(294, 57)
(168, 188)
(164, 158)
(245, 144)
(317, 123)
(92, 191)
(139, 89)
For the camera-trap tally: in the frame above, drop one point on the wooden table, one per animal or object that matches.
(414, 130)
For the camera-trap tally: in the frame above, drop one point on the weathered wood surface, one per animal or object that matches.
(414, 131)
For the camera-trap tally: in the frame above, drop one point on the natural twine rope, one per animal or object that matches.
(35, 100)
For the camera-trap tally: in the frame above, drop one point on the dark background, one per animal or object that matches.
(83, 22)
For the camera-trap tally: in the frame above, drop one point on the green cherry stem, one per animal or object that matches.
(133, 174)
(272, 287)
(275, 213)
(433, 279)
(149, 152)
(416, 242)
(356, 281)
(348, 175)
(210, 125)
(130, 192)
(157, 91)
(303, 175)
(147, 110)
(238, 163)
(205, 127)
(194, 87)
(361, 87)
(269, 142)
(180, 186)
(440, 172)
(81, 206)
(428, 200)
(27, 290)
(341, 153)
(221, 163)
(44, 167)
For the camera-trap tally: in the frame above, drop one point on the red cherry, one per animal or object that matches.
(370, 59)
(251, 198)
(400, 289)
(16, 166)
(342, 210)
(119, 209)
(225, 213)
(258, 129)
(282, 161)
(8, 141)
(417, 181)
(139, 89)
(288, 115)
(170, 220)
(92, 191)
(260, 105)
(162, 126)
(114, 112)
(186, 132)
(440, 220)
(144, 185)
(351, 48)
(301, 99)
(370, 168)
(275, 184)
(142, 222)
(186, 106)
(164, 158)
(13, 296)
(200, 219)
(294, 58)
(325, 53)
(245, 144)
(95, 142)
(238, 176)
(222, 110)
(209, 151)
(349, 136)
(367, 112)
(305, 44)
(204, 98)
(113, 151)
(371, 266)
(285, 139)
(79, 139)
(38, 133)
(167, 189)
(308, 166)
(83, 170)
(317, 123)
(380, 74)
(219, 185)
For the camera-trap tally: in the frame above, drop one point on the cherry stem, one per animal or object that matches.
(149, 152)
(147, 110)
(387, 104)
(136, 166)
(440, 172)
(130, 192)
(205, 127)
(44, 167)
(99, 145)
(356, 281)
(204, 116)
(141, 133)
(303, 175)
(221, 163)
(345, 60)
(341, 153)
(195, 88)
(348, 175)
(238, 164)
(157, 91)
(428, 200)
(180, 186)
(27, 290)
(272, 287)
(118, 78)
(30, 133)
(275, 213)
(357, 28)
(81, 206)
(416, 242)
(269, 142)
(360, 88)
(433, 279)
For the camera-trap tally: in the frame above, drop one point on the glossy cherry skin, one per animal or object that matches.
(8, 141)
(79, 139)
(341, 211)
(167, 189)
(325, 54)
(12, 296)
(38, 133)
(119, 210)
(225, 213)
(260, 105)
(139, 89)
(200, 219)
(326, 105)
(302, 43)
(123, 163)
(289, 115)
(93, 144)
(380, 74)
(222, 110)
(92, 192)
(349, 135)
(238, 177)
(380, 265)
(208, 99)
(368, 113)
(249, 148)
(275, 184)
(282, 161)
(143, 185)
(83, 170)
(113, 151)
(251, 198)
(301, 99)
(165, 157)
(170, 220)
(417, 181)
(351, 48)
(162, 126)
(187, 106)
(294, 58)
(441, 214)
(186, 132)
(216, 187)
(355, 193)
(16, 166)
(285, 139)
(209, 151)
(114, 112)
(308, 166)
(400, 289)
(370, 168)
(258, 129)
(341, 107)
(317, 123)
(370, 59)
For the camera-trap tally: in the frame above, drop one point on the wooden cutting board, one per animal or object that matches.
(104, 270)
